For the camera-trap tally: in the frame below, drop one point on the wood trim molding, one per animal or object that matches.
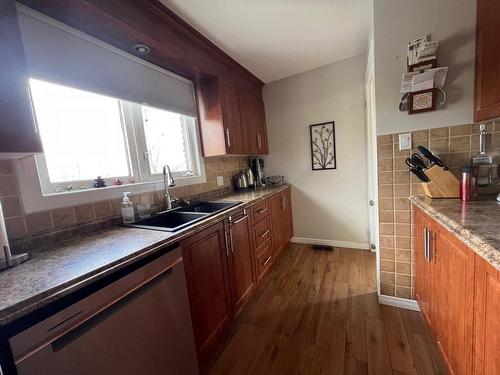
(335, 243)
(402, 303)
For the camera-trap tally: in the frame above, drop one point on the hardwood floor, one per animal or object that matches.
(317, 313)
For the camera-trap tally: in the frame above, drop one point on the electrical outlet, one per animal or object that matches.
(220, 180)
(405, 141)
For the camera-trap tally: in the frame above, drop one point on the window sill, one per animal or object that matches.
(34, 200)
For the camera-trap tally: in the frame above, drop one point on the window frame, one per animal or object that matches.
(40, 194)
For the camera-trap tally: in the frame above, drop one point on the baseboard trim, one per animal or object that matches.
(402, 303)
(317, 241)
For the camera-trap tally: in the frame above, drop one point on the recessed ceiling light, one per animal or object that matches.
(142, 49)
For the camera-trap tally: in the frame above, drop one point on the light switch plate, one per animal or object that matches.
(405, 141)
(220, 180)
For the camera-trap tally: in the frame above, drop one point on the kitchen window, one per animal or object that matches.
(85, 135)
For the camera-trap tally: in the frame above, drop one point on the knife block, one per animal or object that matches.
(443, 183)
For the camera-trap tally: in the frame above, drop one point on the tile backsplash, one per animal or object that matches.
(22, 226)
(455, 146)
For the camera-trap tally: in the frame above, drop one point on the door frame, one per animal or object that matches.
(371, 151)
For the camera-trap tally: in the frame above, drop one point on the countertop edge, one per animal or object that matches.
(25, 307)
(474, 242)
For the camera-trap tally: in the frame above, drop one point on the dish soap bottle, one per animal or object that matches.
(127, 209)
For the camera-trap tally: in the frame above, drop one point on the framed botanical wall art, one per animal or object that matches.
(323, 146)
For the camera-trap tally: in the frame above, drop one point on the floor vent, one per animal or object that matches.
(322, 247)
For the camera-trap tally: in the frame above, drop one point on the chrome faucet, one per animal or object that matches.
(168, 182)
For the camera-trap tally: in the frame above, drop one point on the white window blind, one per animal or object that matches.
(58, 53)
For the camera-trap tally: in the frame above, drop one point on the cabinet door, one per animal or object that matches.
(287, 215)
(231, 119)
(487, 324)
(244, 280)
(253, 122)
(487, 83)
(423, 276)
(454, 301)
(275, 205)
(18, 131)
(205, 261)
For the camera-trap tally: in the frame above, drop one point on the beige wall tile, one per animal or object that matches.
(459, 159)
(402, 203)
(385, 178)
(402, 216)
(387, 289)
(387, 277)
(84, 213)
(458, 144)
(11, 206)
(398, 152)
(6, 167)
(439, 146)
(387, 265)
(385, 191)
(416, 188)
(39, 222)
(16, 227)
(387, 254)
(384, 151)
(386, 216)
(8, 186)
(384, 139)
(402, 190)
(403, 242)
(460, 130)
(64, 217)
(420, 136)
(386, 229)
(403, 255)
(439, 133)
(386, 241)
(403, 292)
(403, 267)
(386, 204)
(399, 163)
(403, 280)
(403, 229)
(385, 165)
(103, 209)
(402, 177)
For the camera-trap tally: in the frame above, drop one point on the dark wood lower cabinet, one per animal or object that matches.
(205, 262)
(486, 320)
(225, 262)
(242, 264)
(459, 295)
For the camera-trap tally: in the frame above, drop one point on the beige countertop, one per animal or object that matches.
(477, 224)
(71, 265)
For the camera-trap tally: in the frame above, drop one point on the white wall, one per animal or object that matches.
(329, 205)
(397, 22)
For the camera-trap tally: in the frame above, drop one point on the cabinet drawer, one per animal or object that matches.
(265, 260)
(261, 233)
(259, 211)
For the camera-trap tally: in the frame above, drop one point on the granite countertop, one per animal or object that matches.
(71, 265)
(477, 224)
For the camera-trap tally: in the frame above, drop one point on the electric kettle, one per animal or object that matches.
(241, 180)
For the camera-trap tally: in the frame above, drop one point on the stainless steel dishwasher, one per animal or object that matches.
(138, 324)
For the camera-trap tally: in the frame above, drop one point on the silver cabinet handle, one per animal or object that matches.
(262, 210)
(264, 234)
(239, 220)
(231, 240)
(425, 243)
(429, 246)
(228, 139)
(227, 242)
(267, 260)
(259, 141)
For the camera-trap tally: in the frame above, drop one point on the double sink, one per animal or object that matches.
(178, 218)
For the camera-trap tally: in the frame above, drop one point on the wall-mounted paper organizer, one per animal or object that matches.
(443, 183)
(423, 80)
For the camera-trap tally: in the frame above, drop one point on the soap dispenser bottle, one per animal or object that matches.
(127, 209)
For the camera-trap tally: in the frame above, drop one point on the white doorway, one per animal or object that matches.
(371, 144)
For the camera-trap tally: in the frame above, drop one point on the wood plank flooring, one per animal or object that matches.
(317, 313)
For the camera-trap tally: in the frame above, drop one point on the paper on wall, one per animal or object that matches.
(439, 75)
(422, 81)
(406, 82)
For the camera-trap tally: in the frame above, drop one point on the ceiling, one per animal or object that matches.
(277, 38)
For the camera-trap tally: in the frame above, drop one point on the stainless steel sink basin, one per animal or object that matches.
(174, 220)
(208, 207)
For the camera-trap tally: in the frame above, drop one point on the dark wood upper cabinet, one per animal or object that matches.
(232, 119)
(253, 122)
(18, 132)
(487, 84)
